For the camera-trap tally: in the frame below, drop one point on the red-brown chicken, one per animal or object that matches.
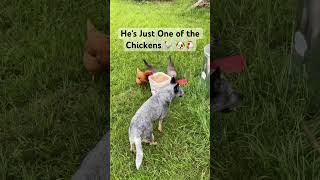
(142, 77)
(96, 52)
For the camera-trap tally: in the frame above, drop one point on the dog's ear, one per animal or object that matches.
(176, 89)
(215, 79)
(217, 73)
(173, 80)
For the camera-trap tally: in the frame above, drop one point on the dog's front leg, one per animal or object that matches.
(160, 127)
(162, 116)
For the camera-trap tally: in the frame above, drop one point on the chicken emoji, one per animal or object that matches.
(168, 44)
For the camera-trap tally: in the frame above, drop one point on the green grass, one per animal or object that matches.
(51, 113)
(183, 149)
(264, 139)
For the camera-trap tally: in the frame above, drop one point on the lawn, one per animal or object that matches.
(51, 112)
(183, 149)
(264, 138)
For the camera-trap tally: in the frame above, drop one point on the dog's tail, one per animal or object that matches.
(139, 152)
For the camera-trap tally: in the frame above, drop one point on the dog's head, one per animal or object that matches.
(223, 96)
(169, 92)
(178, 91)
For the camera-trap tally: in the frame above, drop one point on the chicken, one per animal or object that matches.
(170, 69)
(96, 51)
(147, 73)
(142, 77)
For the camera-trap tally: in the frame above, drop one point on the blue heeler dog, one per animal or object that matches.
(156, 107)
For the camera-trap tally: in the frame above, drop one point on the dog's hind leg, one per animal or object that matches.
(153, 142)
(160, 125)
(163, 115)
(150, 138)
(132, 147)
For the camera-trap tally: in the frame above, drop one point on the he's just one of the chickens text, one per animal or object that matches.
(166, 39)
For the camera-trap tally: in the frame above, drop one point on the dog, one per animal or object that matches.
(95, 165)
(223, 97)
(309, 24)
(156, 107)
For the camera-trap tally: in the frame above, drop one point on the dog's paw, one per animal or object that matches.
(153, 143)
(145, 141)
(133, 150)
